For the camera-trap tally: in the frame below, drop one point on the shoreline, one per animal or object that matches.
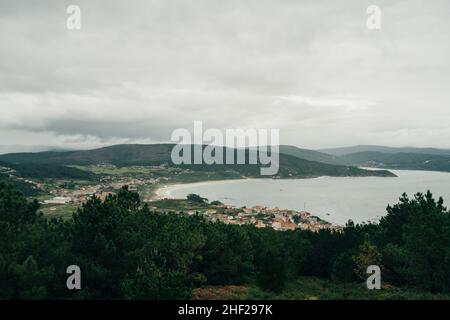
(164, 191)
(328, 209)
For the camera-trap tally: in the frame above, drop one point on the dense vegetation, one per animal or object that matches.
(25, 188)
(50, 171)
(312, 155)
(126, 251)
(120, 155)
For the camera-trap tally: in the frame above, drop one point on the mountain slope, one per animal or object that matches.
(157, 154)
(134, 154)
(120, 155)
(312, 155)
(26, 188)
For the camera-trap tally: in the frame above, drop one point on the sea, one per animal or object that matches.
(334, 199)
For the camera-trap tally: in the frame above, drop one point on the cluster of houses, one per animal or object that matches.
(259, 216)
(103, 190)
(264, 217)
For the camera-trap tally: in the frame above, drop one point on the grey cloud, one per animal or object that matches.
(136, 71)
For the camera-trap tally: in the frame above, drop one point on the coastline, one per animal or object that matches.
(335, 212)
(328, 207)
(164, 191)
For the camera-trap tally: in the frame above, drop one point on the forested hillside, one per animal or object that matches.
(291, 165)
(25, 188)
(312, 155)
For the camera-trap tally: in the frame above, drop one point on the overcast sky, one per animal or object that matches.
(137, 70)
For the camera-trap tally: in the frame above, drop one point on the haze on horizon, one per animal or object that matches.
(134, 73)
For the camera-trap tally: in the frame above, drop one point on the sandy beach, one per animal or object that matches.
(165, 191)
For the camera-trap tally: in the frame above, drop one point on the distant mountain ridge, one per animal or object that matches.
(401, 160)
(5, 149)
(121, 155)
(291, 165)
(312, 155)
(294, 161)
(341, 151)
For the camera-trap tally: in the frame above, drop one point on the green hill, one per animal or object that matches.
(120, 155)
(312, 155)
(291, 166)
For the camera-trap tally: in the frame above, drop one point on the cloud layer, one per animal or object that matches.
(137, 71)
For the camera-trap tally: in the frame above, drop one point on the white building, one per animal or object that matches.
(58, 200)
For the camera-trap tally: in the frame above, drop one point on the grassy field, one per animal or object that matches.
(311, 288)
(118, 170)
(63, 211)
(175, 205)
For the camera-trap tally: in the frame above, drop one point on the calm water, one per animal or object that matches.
(333, 199)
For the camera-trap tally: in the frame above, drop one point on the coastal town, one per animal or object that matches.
(264, 217)
(65, 196)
